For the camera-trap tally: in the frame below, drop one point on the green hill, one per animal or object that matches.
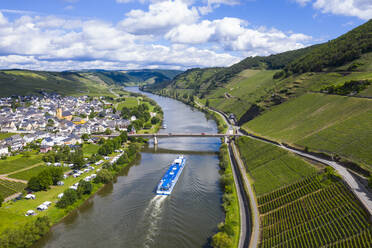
(24, 82)
(316, 97)
(94, 82)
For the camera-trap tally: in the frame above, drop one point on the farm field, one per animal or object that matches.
(27, 174)
(318, 211)
(8, 188)
(334, 124)
(271, 167)
(18, 162)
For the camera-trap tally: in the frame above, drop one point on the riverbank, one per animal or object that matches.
(21, 231)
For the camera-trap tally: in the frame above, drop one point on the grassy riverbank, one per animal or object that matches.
(14, 223)
(229, 231)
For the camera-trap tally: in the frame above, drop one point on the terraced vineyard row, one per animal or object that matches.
(312, 213)
(8, 188)
(289, 197)
(285, 190)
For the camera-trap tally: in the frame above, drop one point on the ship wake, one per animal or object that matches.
(153, 214)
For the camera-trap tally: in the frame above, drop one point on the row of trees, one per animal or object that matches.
(65, 154)
(46, 178)
(353, 86)
(70, 196)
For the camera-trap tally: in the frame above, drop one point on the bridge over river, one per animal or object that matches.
(155, 136)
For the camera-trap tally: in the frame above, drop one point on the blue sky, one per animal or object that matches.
(177, 34)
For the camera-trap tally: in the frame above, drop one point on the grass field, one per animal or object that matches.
(8, 188)
(242, 91)
(129, 102)
(271, 167)
(314, 212)
(27, 174)
(18, 162)
(12, 213)
(5, 135)
(334, 124)
(90, 149)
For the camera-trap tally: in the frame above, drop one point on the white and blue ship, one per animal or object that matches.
(170, 178)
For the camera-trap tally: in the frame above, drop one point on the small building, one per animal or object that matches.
(45, 148)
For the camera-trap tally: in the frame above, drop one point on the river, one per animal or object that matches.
(127, 213)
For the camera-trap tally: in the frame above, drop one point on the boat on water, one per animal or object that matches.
(170, 178)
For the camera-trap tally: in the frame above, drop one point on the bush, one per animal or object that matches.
(370, 182)
(1, 200)
(103, 176)
(84, 188)
(68, 198)
(26, 235)
(221, 240)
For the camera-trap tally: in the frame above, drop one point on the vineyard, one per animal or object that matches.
(8, 188)
(314, 212)
(271, 167)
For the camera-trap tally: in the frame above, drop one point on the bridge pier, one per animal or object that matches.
(155, 140)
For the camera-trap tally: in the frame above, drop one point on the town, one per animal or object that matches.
(56, 120)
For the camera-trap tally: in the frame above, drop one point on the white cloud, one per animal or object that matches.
(160, 17)
(169, 34)
(358, 8)
(303, 2)
(233, 34)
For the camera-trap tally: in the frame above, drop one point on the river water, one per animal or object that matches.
(127, 213)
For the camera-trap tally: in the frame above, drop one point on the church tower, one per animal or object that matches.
(59, 112)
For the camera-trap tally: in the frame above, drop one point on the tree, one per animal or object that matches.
(221, 240)
(1, 200)
(45, 179)
(123, 159)
(370, 182)
(85, 136)
(84, 188)
(56, 174)
(108, 131)
(155, 120)
(103, 176)
(33, 184)
(68, 198)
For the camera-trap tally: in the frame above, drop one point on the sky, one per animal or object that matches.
(59, 35)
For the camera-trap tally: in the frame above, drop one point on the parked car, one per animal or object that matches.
(30, 196)
(30, 213)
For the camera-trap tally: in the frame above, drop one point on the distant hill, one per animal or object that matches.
(134, 77)
(26, 82)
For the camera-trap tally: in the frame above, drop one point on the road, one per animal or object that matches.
(249, 213)
(359, 190)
